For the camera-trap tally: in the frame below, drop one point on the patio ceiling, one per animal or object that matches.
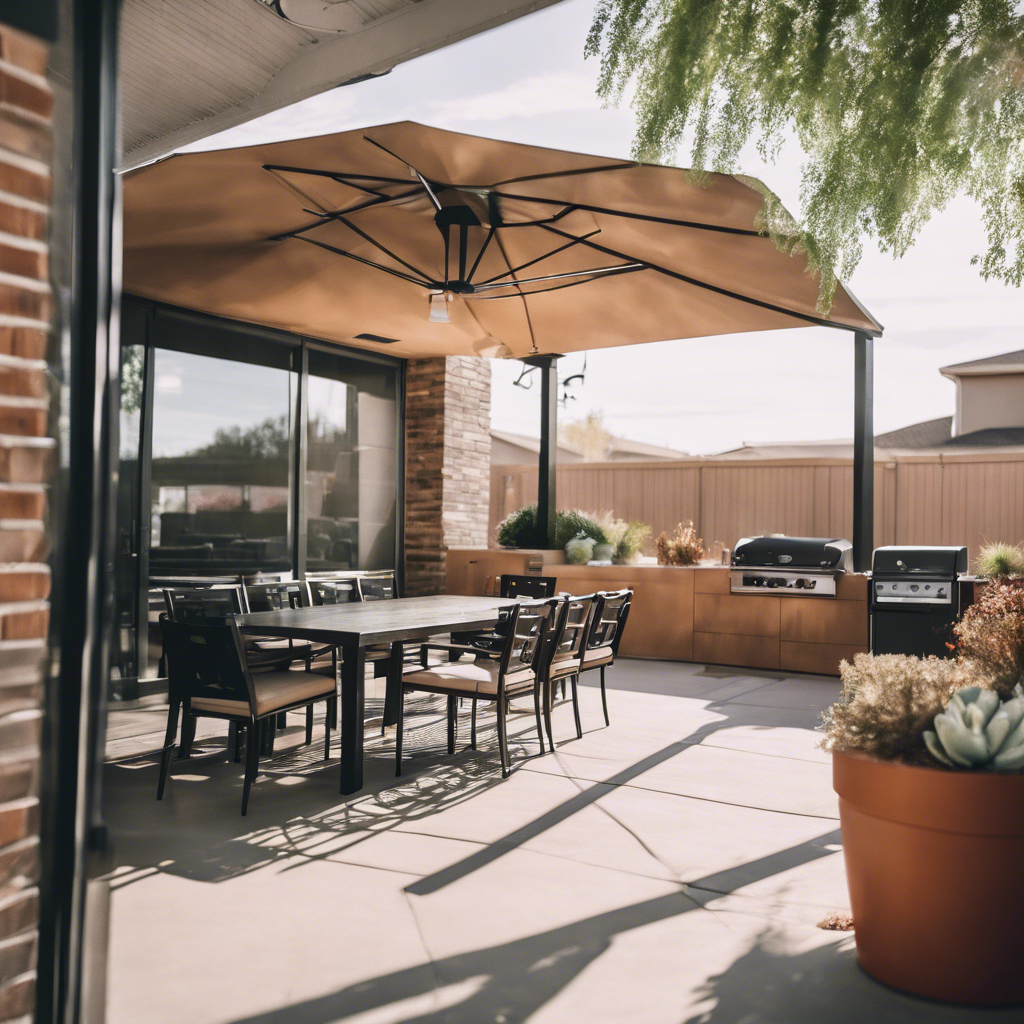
(190, 68)
(560, 251)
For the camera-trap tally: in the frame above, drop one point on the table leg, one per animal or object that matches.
(353, 679)
(393, 690)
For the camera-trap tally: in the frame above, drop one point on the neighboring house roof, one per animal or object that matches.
(838, 449)
(926, 434)
(990, 437)
(1005, 362)
(619, 448)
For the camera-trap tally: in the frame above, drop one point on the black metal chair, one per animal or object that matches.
(535, 630)
(539, 587)
(566, 660)
(337, 590)
(607, 625)
(376, 587)
(208, 677)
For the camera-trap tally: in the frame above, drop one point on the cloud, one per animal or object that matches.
(554, 92)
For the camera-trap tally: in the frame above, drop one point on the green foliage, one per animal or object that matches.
(899, 106)
(519, 529)
(632, 540)
(998, 561)
(131, 378)
(978, 731)
(572, 523)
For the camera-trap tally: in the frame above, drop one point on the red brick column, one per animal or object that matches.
(447, 464)
(26, 104)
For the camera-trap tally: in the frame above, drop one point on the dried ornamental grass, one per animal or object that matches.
(887, 703)
(684, 547)
(989, 639)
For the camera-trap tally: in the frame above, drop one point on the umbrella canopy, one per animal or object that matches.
(424, 242)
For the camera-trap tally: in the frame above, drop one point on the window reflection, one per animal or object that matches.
(352, 464)
(222, 447)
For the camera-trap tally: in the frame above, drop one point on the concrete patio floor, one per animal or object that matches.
(669, 869)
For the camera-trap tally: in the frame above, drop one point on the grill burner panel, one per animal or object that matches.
(789, 566)
(802, 583)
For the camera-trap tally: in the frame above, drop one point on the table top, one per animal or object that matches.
(373, 622)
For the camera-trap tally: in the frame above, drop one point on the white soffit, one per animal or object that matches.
(191, 68)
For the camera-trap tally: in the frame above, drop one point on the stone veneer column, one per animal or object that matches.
(447, 464)
(26, 105)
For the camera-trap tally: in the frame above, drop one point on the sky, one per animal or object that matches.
(529, 82)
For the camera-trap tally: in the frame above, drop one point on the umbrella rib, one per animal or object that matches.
(526, 307)
(480, 254)
(523, 266)
(336, 174)
(326, 218)
(712, 287)
(369, 263)
(566, 174)
(423, 181)
(596, 271)
(699, 225)
(383, 248)
(608, 272)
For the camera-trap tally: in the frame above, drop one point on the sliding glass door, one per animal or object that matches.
(351, 495)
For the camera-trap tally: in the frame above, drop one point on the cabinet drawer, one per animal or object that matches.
(818, 621)
(726, 649)
(822, 659)
(739, 614)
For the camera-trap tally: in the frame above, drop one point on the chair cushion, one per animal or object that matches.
(273, 643)
(595, 656)
(468, 677)
(564, 666)
(273, 690)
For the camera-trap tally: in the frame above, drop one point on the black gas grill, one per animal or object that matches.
(917, 596)
(790, 566)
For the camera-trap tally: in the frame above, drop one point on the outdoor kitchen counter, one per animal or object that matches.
(689, 614)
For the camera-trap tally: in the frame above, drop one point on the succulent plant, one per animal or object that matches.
(978, 731)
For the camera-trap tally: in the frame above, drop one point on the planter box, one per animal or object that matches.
(934, 863)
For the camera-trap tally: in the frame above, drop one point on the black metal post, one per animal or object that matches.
(300, 456)
(546, 499)
(72, 955)
(863, 451)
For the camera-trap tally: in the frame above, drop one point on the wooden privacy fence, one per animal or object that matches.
(968, 499)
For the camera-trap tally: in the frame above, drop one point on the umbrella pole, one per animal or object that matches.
(546, 501)
(863, 452)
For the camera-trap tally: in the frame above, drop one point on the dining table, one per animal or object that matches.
(353, 628)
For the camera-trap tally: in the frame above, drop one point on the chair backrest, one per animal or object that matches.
(379, 587)
(576, 633)
(529, 631)
(540, 587)
(193, 604)
(272, 597)
(609, 619)
(205, 659)
(337, 591)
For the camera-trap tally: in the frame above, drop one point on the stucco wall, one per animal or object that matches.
(992, 400)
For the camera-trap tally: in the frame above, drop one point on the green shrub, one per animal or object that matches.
(519, 529)
(998, 561)
(570, 524)
(632, 540)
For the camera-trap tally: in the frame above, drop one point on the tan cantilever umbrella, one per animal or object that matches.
(430, 242)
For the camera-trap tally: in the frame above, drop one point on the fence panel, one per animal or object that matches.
(919, 499)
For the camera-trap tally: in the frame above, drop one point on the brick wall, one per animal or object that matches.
(447, 464)
(26, 104)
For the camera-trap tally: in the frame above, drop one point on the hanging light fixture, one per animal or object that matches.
(439, 308)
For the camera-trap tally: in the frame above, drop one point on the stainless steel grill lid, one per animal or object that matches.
(831, 553)
(935, 561)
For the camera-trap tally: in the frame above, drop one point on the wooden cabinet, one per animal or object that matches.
(690, 614)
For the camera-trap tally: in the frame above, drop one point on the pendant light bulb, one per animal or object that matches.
(439, 308)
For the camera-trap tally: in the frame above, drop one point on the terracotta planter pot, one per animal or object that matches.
(935, 866)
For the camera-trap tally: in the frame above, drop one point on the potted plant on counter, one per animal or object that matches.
(928, 763)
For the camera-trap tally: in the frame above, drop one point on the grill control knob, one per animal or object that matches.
(894, 586)
(914, 587)
(878, 586)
